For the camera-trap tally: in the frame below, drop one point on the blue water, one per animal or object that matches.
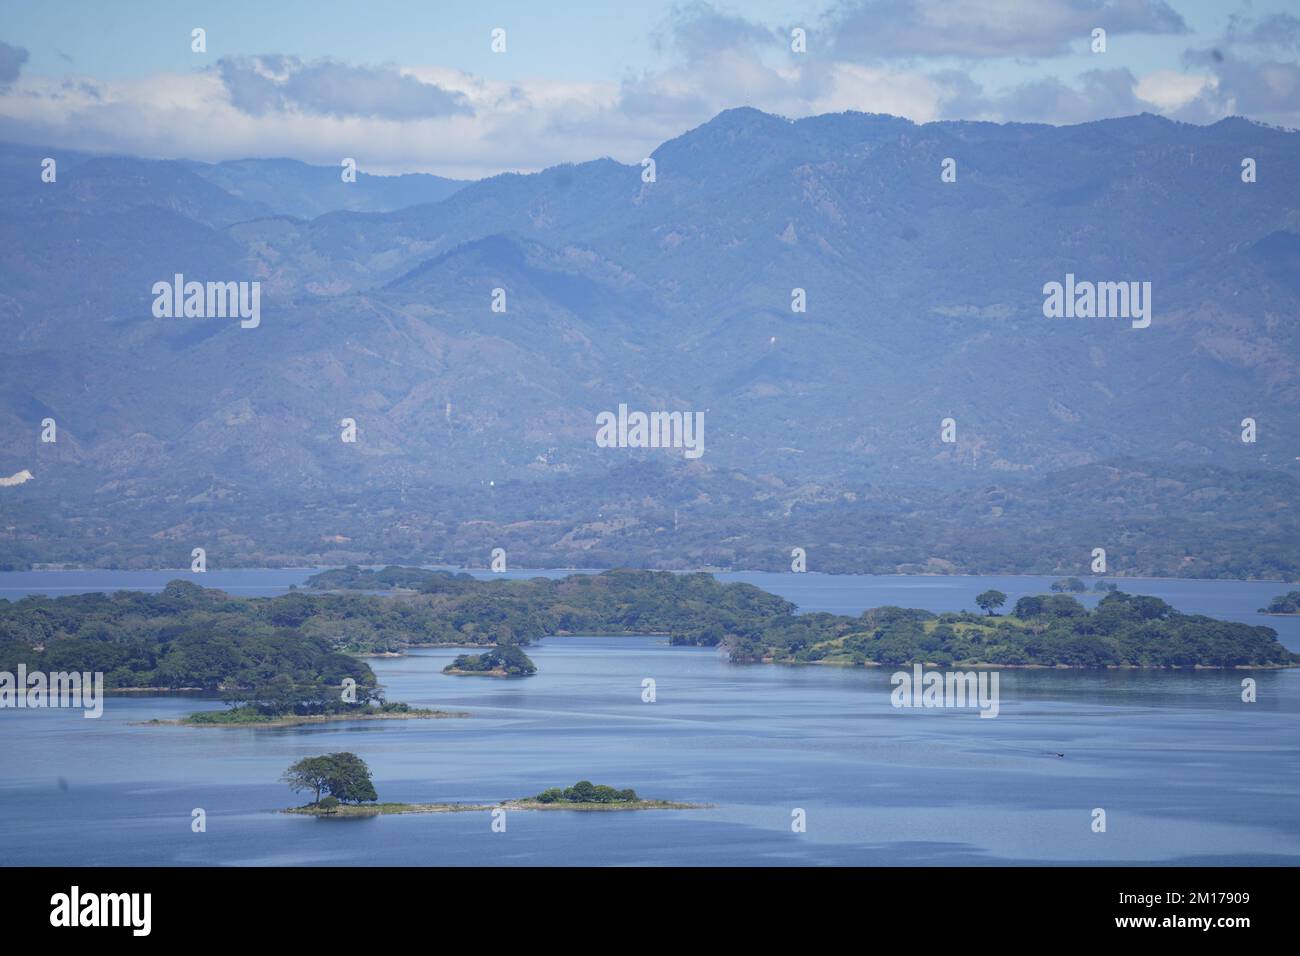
(1185, 771)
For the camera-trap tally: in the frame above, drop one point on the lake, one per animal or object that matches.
(1185, 771)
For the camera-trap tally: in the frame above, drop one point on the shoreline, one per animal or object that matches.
(296, 720)
(186, 572)
(392, 809)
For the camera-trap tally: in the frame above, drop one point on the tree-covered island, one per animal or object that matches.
(507, 660)
(308, 705)
(1288, 603)
(341, 777)
(1124, 630)
(274, 661)
(289, 656)
(1056, 630)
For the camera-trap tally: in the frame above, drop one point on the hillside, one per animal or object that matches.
(924, 302)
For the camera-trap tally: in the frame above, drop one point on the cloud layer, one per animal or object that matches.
(263, 84)
(914, 58)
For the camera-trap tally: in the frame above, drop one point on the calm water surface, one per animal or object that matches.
(1186, 772)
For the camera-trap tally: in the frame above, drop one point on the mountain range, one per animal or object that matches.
(924, 302)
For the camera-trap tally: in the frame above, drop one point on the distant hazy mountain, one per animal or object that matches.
(297, 189)
(924, 302)
(249, 188)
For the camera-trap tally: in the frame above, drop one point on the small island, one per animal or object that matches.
(251, 717)
(284, 702)
(1063, 585)
(585, 795)
(343, 787)
(507, 660)
(1288, 603)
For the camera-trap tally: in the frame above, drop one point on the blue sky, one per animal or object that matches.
(417, 84)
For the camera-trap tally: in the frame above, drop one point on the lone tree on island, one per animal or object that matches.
(344, 776)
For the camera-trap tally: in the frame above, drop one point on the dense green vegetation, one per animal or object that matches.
(288, 655)
(287, 650)
(696, 609)
(1051, 629)
(507, 660)
(1288, 603)
(344, 776)
(622, 601)
(584, 791)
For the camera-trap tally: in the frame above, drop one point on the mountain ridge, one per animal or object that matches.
(924, 302)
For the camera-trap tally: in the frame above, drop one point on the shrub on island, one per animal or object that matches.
(584, 791)
(507, 659)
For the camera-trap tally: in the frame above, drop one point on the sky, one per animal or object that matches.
(415, 85)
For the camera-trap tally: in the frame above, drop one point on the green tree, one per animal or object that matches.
(584, 791)
(349, 779)
(990, 601)
(309, 773)
(344, 776)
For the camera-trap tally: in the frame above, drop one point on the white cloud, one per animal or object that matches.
(909, 93)
(504, 127)
(1169, 90)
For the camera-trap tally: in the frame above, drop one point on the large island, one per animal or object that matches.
(294, 655)
(753, 626)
